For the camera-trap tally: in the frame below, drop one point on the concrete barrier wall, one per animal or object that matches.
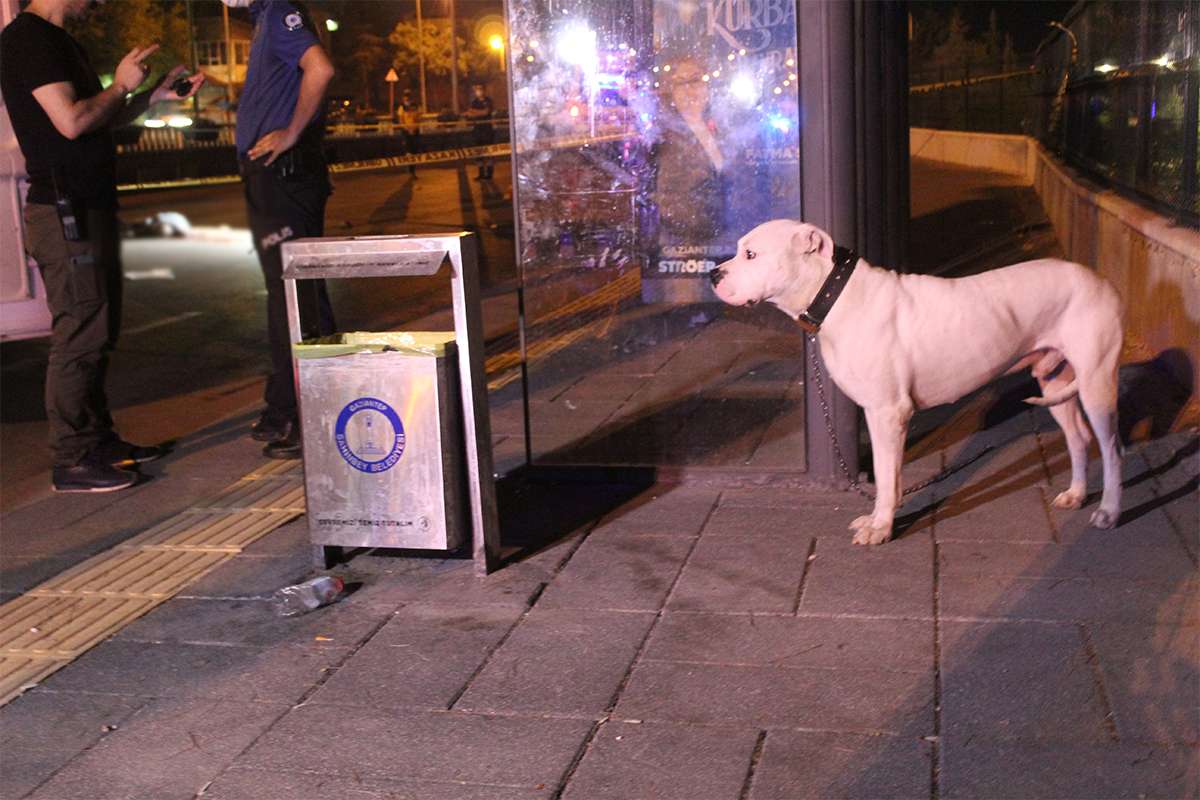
(991, 151)
(1153, 262)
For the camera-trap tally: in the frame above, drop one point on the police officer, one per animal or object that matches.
(280, 128)
(62, 118)
(480, 111)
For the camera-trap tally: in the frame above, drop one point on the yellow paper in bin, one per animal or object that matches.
(411, 343)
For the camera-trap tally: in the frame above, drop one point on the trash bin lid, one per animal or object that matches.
(411, 343)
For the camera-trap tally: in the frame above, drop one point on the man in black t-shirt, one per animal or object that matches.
(62, 116)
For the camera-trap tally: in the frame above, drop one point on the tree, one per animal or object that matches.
(369, 61)
(111, 30)
(474, 61)
(959, 48)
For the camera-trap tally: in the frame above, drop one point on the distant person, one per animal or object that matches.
(63, 119)
(410, 126)
(279, 136)
(481, 110)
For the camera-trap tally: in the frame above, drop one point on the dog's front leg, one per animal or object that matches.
(888, 428)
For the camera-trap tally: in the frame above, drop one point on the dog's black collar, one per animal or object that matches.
(844, 261)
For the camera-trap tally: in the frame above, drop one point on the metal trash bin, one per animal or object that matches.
(381, 420)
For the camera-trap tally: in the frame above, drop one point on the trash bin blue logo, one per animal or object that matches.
(369, 435)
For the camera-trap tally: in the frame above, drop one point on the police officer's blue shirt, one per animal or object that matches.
(282, 34)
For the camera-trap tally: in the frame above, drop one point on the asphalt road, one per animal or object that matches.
(192, 349)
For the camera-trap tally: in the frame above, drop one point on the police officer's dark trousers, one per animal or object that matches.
(287, 201)
(83, 292)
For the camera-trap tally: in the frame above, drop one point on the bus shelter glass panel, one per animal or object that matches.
(649, 135)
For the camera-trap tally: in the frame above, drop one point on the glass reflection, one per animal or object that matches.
(649, 136)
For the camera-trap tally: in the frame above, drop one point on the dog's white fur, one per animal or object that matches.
(895, 343)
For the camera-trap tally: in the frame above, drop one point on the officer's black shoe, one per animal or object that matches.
(90, 475)
(120, 453)
(288, 447)
(270, 427)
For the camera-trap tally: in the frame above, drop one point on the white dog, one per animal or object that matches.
(895, 343)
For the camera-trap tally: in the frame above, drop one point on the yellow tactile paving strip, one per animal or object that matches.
(58, 620)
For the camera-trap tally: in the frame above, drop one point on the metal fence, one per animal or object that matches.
(973, 96)
(143, 139)
(1114, 92)
(1120, 96)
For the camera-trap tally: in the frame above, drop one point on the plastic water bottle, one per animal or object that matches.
(291, 601)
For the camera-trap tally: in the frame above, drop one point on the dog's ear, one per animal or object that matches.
(810, 239)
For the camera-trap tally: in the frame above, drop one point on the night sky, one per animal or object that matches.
(1024, 19)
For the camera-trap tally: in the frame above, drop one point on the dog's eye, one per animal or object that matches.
(750, 254)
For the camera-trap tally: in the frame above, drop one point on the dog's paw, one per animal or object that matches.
(1103, 519)
(1068, 499)
(867, 533)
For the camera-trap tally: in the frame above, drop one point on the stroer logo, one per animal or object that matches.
(687, 265)
(369, 435)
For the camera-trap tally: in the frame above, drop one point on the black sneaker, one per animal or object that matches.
(270, 427)
(120, 453)
(288, 447)
(90, 475)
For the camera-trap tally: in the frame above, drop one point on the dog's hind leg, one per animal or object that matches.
(1069, 417)
(1098, 393)
(888, 428)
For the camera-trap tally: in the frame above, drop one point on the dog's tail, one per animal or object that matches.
(1061, 396)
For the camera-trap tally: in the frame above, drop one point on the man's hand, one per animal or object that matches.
(131, 72)
(275, 143)
(164, 91)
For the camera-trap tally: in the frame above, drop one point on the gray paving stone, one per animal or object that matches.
(1070, 599)
(1089, 558)
(735, 521)
(1117, 642)
(742, 573)
(618, 572)
(246, 576)
(285, 540)
(1155, 700)
(1019, 681)
(1013, 465)
(804, 499)
(23, 768)
(862, 701)
(282, 673)
(20, 572)
(559, 661)
(902, 645)
(891, 580)
(978, 768)
(383, 745)
(662, 509)
(1152, 674)
(1000, 515)
(171, 748)
(422, 658)
(1144, 525)
(456, 584)
(665, 762)
(254, 623)
(61, 721)
(798, 765)
(255, 784)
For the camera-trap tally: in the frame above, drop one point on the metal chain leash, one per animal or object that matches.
(837, 450)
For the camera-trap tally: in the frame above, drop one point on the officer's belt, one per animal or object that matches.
(295, 161)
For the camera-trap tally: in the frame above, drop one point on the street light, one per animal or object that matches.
(331, 25)
(496, 42)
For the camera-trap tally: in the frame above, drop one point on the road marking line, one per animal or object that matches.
(60, 619)
(159, 323)
(156, 274)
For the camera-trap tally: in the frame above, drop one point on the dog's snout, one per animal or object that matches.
(716, 275)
